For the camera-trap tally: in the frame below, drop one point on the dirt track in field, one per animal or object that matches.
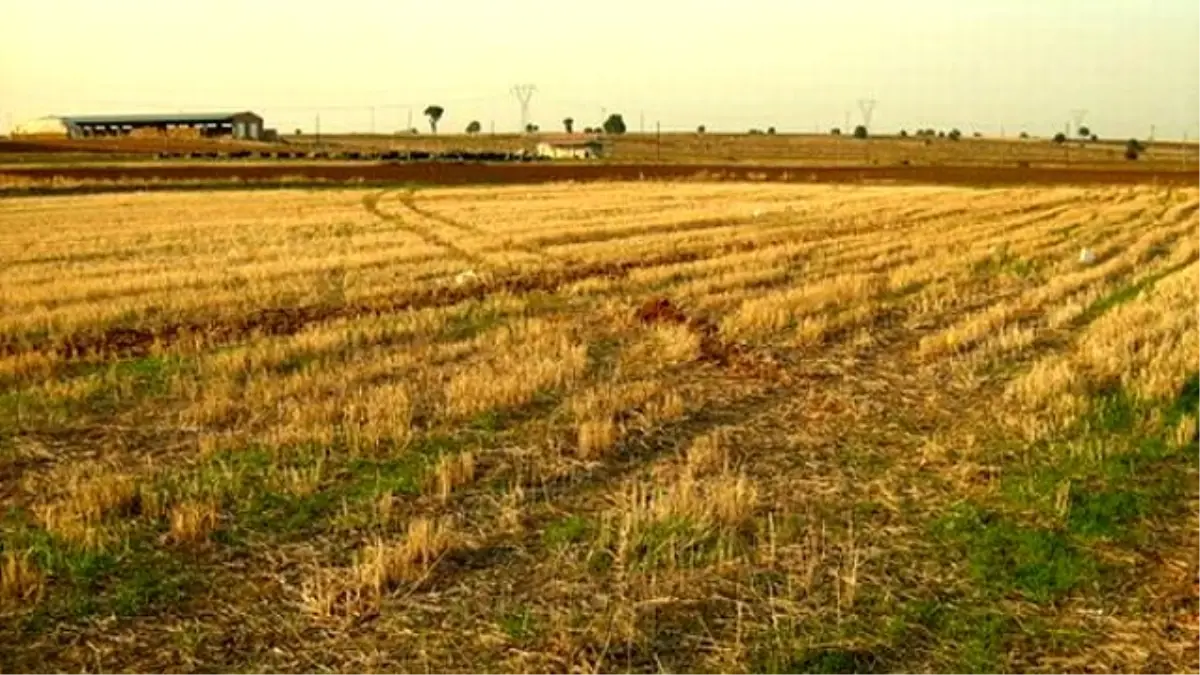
(445, 173)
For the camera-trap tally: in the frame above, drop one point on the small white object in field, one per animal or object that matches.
(758, 213)
(1087, 257)
(466, 276)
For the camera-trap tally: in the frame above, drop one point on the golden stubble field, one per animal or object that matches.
(736, 427)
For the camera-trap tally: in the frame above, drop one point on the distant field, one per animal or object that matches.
(614, 426)
(792, 149)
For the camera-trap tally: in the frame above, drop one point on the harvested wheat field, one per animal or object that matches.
(604, 427)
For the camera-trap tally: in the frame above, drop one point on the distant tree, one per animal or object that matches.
(414, 131)
(700, 129)
(615, 124)
(1084, 132)
(1060, 138)
(474, 127)
(298, 132)
(531, 128)
(860, 131)
(755, 132)
(434, 113)
(954, 134)
(977, 134)
(569, 125)
(941, 134)
(835, 132)
(1133, 149)
(1023, 134)
(770, 131)
(903, 133)
(1093, 138)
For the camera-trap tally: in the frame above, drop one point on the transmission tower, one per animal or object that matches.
(866, 106)
(1077, 116)
(524, 92)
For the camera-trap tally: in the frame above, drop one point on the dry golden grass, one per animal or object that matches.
(452, 471)
(379, 568)
(595, 436)
(192, 521)
(294, 395)
(20, 580)
(663, 526)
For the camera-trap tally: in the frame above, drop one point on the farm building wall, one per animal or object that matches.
(43, 126)
(573, 151)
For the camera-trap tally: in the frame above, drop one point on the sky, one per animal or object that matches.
(994, 66)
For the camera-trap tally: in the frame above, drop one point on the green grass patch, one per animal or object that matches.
(1005, 557)
(1187, 401)
(1004, 262)
(126, 578)
(519, 624)
(1123, 294)
(114, 386)
(673, 542)
(570, 530)
(602, 356)
(832, 661)
(471, 323)
(1107, 513)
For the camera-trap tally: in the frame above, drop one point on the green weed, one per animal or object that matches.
(570, 530)
(1006, 557)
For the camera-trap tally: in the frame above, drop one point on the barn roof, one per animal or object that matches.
(173, 118)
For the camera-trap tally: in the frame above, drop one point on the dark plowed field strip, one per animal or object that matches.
(435, 173)
(121, 341)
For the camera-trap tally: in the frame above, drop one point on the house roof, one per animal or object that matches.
(176, 118)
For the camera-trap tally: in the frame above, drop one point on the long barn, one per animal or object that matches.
(241, 125)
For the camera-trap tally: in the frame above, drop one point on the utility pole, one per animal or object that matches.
(657, 142)
(492, 127)
(410, 126)
(318, 128)
(524, 92)
(372, 120)
(1151, 132)
(641, 121)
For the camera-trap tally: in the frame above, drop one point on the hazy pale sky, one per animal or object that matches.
(794, 64)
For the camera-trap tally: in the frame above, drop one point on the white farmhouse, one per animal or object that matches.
(569, 148)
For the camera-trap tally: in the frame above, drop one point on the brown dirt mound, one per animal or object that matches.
(712, 348)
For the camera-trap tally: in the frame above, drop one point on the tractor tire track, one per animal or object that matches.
(371, 204)
(408, 199)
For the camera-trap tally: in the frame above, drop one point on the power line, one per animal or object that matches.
(524, 92)
(866, 106)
